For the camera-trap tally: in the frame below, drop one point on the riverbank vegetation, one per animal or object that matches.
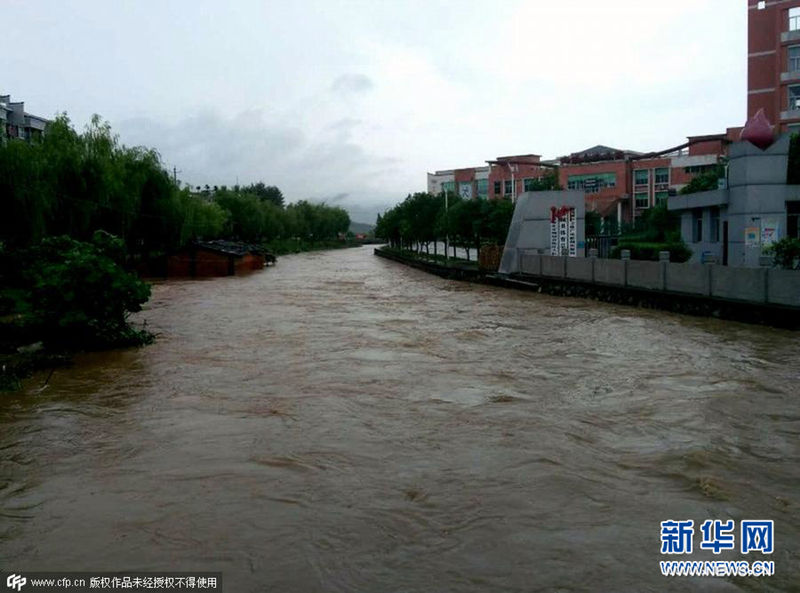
(785, 253)
(61, 295)
(423, 220)
(81, 210)
(72, 184)
(657, 229)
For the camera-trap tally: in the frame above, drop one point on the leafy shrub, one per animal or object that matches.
(786, 253)
(79, 294)
(657, 229)
(705, 181)
(678, 251)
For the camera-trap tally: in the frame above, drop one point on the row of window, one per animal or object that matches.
(699, 168)
(14, 131)
(642, 199)
(591, 184)
(642, 176)
(528, 184)
(482, 187)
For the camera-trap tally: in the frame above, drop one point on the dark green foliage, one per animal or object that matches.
(548, 182)
(422, 219)
(705, 181)
(74, 184)
(315, 222)
(78, 294)
(593, 224)
(265, 193)
(793, 170)
(656, 230)
(678, 251)
(62, 295)
(786, 253)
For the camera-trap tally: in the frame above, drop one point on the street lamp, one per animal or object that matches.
(446, 230)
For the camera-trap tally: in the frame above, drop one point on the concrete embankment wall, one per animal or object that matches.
(451, 272)
(761, 286)
(751, 295)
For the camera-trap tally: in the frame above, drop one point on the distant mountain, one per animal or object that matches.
(361, 227)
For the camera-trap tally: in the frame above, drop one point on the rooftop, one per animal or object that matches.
(236, 248)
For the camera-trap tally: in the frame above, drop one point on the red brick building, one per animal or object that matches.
(504, 177)
(622, 184)
(469, 182)
(773, 61)
(509, 176)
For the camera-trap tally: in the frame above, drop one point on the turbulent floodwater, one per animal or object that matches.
(344, 423)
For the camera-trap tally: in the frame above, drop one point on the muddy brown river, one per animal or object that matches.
(344, 423)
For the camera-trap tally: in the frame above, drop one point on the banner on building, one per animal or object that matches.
(751, 235)
(770, 231)
(563, 231)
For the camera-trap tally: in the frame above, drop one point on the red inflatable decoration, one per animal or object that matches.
(758, 131)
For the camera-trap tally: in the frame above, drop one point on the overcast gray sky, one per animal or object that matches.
(353, 102)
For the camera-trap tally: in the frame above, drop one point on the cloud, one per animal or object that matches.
(209, 148)
(330, 200)
(346, 124)
(352, 83)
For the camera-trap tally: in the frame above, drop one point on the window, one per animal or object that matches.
(641, 177)
(528, 184)
(507, 187)
(697, 226)
(497, 188)
(661, 197)
(793, 219)
(642, 199)
(713, 229)
(662, 175)
(591, 184)
(483, 188)
(698, 169)
(794, 98)
(449, 187)
(794, 19)
(794, 58)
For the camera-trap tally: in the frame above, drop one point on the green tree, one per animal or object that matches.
(80, 295)
(266, 193)
(786, 253)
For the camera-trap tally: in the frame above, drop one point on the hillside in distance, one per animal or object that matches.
(361, 227)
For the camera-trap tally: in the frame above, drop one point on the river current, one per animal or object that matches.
(343, 423)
